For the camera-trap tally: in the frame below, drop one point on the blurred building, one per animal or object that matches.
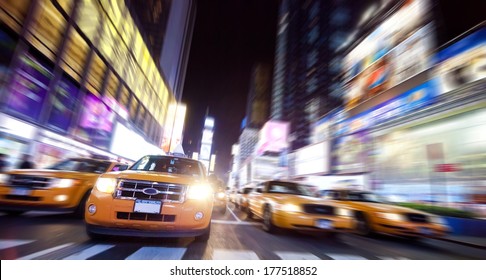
(309, 32)
(258, 101)
(79, 77)
(413, 114)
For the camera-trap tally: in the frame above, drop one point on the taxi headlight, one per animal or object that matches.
(4, 178)
(199, 192)
(290, 208)
(62, 183)
(392, 216)
(438, 220)
(106, 185)
(221, 195)
(344, 212)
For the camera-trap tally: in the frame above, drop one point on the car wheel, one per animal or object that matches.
(237, 206)
(268, 225)
(205, 236)
(223, 209)
(249, 213)
(362, 224)
(79, 212)
(95, 236)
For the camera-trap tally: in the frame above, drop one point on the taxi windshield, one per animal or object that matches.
(82, 165)
(172, 165)
(365, 197)
(290, 188)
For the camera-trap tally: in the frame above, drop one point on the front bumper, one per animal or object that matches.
(52, 199)
(94, 229)
(411, 229)
(310, 222)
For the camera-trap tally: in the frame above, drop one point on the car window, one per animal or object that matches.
(82, 165)
(290, 188)
(172, 165)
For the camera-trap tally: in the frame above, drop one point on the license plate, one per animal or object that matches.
(19, 191)
(425, 231)
(147, 206)
(324, 224)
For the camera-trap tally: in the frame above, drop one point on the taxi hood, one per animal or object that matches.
(156, 177)
(51, 173)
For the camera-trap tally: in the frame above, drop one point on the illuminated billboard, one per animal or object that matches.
(174, 127)
(273, 137)
(398, 49)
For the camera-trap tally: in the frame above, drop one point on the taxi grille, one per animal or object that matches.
(22, 197)
(145, 217)
(129, 189)
(318, 209)
(27, 181)
(417, 218)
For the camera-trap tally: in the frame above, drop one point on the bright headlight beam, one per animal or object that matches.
(199, 192)
(106, 185)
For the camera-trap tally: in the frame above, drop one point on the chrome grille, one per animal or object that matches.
(145, 217)
(318, 209)
(28, 181)
(166, 192)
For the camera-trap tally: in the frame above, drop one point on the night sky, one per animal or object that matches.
(229, 38)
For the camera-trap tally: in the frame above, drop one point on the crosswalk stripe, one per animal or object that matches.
(8, 243)
(89, 252)
(157, 253)
(296, 256)
(45, 252)
(224, 222)
(345, 257)
(391, 258)
(222, 254)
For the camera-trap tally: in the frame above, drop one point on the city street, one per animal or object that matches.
(47, 236)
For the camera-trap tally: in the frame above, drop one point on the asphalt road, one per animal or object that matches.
(47, 236)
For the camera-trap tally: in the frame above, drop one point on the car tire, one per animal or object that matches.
(95, 236)
(205, 236)
(237, 206)
(223, 209)
(268, 225)
(79, 212)
(249, 213)
(363, 226)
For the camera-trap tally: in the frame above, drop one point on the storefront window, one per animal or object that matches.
(112, 85)
(96, 73)
(89, 18)
(7, 48)
(133, 108)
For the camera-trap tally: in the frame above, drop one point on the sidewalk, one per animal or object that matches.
(470, 241)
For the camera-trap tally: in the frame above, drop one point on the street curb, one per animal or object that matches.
(468, 244)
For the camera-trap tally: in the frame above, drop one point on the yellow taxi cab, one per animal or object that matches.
(292, 205)
(65, 186)
(158, 196)
(374, 214)
(241, 200)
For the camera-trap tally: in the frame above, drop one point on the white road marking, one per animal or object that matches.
(222, 254)
(232, 213)
(157, 253)
(8, 243)
(45, 252)
(296, 256)
(234, 223)
(89, 252)
(345, 257)
(391, 258)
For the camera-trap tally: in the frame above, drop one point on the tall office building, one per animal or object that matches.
(80, 77)
(308, 35)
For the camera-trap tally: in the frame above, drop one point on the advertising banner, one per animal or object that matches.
(96, 122)
(63, 104)
(463, 62)
(396, 50)
(350, 153)
(29, 86)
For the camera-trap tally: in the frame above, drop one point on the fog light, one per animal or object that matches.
(198, 216)
(61, 197)
(92, 208)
